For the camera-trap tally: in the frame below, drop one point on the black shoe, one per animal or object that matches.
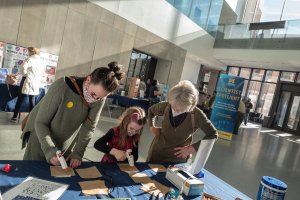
(14, 119)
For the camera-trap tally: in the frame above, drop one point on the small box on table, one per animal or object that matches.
(191, 185)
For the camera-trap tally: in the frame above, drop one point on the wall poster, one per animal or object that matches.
(50, 62)
(14, 56)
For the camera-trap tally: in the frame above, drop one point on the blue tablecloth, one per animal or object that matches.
(128, 102)
(120, 184)
(9, 96)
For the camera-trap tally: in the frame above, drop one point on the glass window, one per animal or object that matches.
(291, 10)
(253, 92)
(269, 10)
(266, 98)
(249, 12)
(272, 76)
(234, 71)
(298, 78)
(294, 116)
(183, 6)
(288, 76)
(244, 88)
(205, 87)
(199, 11)
(282, 108)
(206, 77)
(214, 15)
(292, 29)
(258, 74)
(245, 73)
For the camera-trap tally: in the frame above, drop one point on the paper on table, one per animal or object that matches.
(154, 187)
(157, 167)
(57, 171)
(34, 188)
(140, 178)
(127, 168)
(93, 187)
(91, 172)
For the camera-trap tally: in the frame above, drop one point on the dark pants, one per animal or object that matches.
(21, 98)
(246, 116)
(238, 121)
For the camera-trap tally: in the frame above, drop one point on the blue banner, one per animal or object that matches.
(226, 104)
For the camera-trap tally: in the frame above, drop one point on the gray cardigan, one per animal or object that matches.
(60, 120)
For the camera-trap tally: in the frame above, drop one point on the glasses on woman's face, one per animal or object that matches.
(97, 91)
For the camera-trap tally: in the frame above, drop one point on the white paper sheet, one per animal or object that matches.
(36, 188)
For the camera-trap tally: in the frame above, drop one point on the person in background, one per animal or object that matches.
(125, 136)
(32, 74)
(248, 106)
(206, 107)
(142, 86)
(154, 92)
(181, 118)
(66, 118)
(211, 104)
(239, 118)
(202, 97)
(148, 85)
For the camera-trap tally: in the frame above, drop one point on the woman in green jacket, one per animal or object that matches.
(67, 116)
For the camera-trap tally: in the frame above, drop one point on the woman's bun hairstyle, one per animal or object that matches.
(116, 68)
(109, 76)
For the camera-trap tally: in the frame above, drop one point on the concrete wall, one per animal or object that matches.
(212, 82)
(83, 34)
(228, 16)
(163, 68)
(162, 19)
(191, 70)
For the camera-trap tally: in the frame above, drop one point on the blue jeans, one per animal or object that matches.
(246, 116)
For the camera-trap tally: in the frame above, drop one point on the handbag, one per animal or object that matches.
(24, 122)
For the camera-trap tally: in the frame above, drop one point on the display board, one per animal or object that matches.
(226, 104)
(2, 45)
(12, 56)
(50, 62)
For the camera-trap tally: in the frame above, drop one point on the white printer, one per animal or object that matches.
(185, 181)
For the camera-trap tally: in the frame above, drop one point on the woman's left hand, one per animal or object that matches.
(74, 163)
(184, 152)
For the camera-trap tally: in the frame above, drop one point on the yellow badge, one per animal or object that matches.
(70, 104)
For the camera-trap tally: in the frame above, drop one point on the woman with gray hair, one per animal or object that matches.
(181, 118)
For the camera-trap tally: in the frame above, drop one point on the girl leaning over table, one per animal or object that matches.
(67, 116)
(123, 137)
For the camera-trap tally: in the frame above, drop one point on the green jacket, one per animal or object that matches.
(60, 120)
